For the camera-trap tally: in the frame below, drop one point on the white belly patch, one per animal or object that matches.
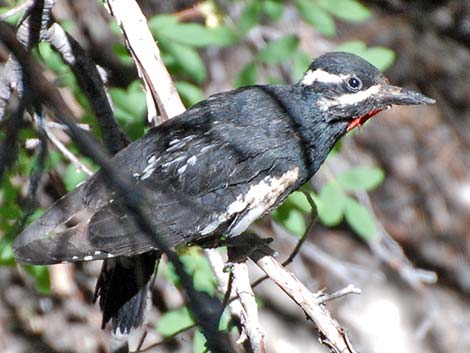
(254, 203)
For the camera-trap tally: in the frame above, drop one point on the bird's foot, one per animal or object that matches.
(248, 245)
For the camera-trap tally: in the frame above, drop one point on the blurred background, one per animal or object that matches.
(393, 198)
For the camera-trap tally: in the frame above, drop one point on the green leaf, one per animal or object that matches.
(361, 178)
(295, 222)
(13, 19)
(6, 252)
(355, 47)
(190, 94)
(123, 54)
(52, 59)
(189, 61)
(299, 200)
(199, 343)
(225, 321)
(278, 50)
(360, 219)
(131, 100)
(73, 176)
(247, 76)
(41, 278)
(332, 203)
(198, 267)
(203, 278)
(300, 63)
(381, 57)
(348, 10)
(316, 17)
(161, 22)
(273, 8)
(197, 35)
(174, 321)
(250, 16)
(223, 36)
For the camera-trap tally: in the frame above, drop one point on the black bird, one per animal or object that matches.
(211, 171)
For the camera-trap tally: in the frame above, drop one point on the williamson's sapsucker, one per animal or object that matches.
(210, 171)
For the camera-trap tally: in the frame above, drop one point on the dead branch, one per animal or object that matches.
(160, 91)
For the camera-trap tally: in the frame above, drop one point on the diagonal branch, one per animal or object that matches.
(332, 334)
(92, 86)
(161, 92)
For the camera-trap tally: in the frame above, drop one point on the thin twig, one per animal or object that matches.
(224, 283)
(61, 147)
(350, 289)
(389, 251)
(15, 10)
(167, 339)
(313, 219)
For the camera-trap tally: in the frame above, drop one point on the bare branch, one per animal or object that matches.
(351, 289)
(61, 147)
(249, 316)
(331, 333)
(161, 95)
(389, 251)
(15, 10)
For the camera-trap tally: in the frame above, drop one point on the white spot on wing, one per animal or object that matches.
(192, 160)
(256, 202)
(88, 258)
(178, 144)
(152, 159)
(206, 148)
(176, 160)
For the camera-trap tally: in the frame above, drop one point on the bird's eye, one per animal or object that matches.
(355, 83)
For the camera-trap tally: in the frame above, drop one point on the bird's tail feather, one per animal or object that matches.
(123, 290)
(45, 241)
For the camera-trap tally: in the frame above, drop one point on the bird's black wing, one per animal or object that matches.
(212, 170)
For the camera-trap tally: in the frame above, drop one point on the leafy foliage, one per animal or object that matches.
(197, 266)
(174, 321)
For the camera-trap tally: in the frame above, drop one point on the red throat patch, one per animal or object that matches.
(359, 121)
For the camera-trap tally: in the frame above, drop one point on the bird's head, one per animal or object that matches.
(353, 90)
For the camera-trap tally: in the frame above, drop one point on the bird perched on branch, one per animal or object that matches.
(210, 171)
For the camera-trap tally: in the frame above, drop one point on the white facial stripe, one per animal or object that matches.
(349, 98)
(353, 98)
(321, 76)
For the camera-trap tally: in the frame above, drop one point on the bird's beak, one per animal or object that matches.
(389, 95)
